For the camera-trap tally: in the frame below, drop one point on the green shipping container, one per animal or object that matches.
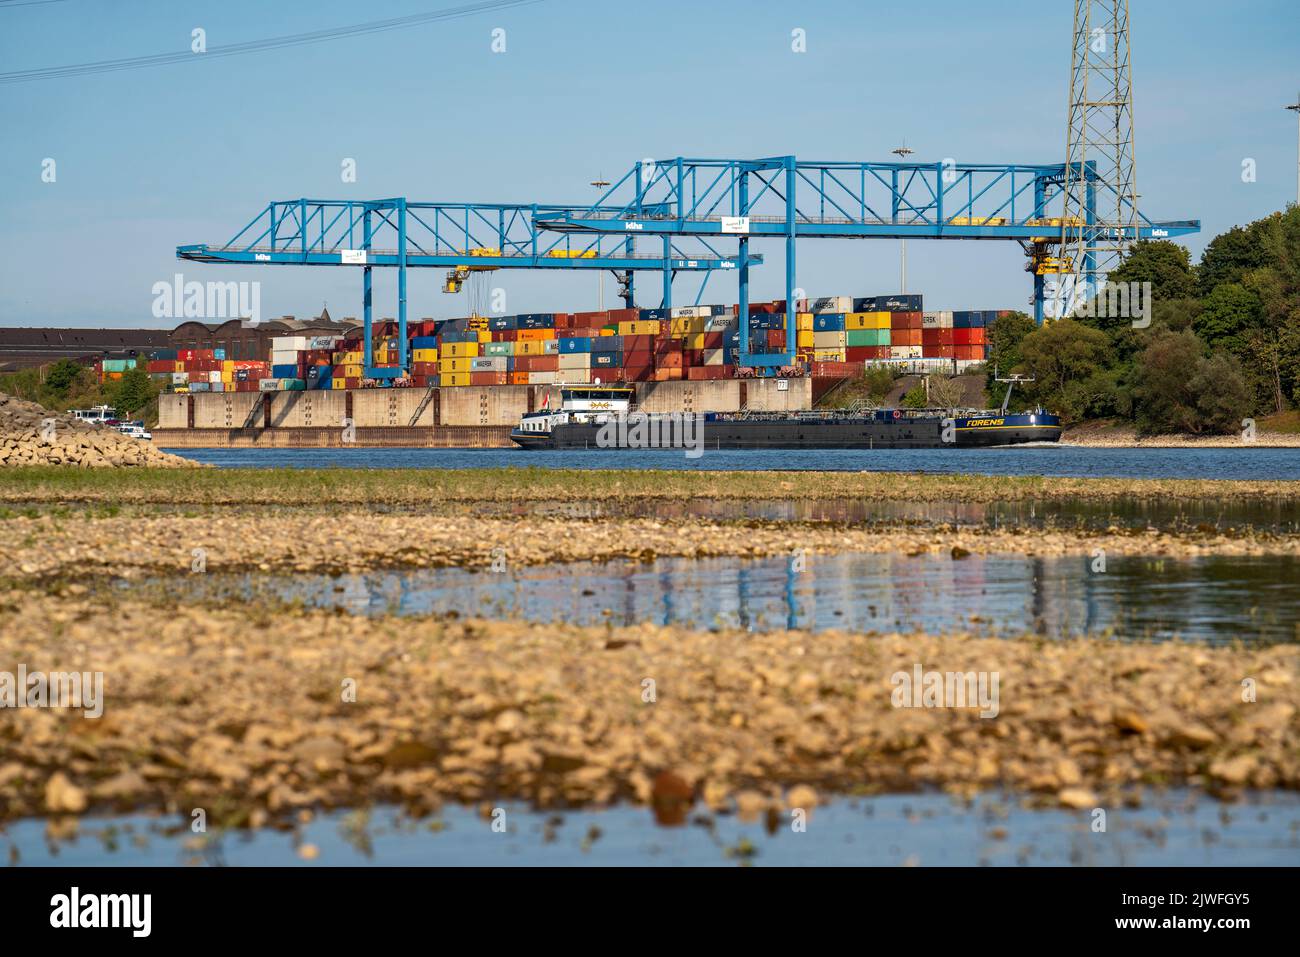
(867, 337)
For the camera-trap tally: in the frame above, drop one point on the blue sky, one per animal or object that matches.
(153, 158)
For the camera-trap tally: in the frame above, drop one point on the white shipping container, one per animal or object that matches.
(283, 357)
(720, 323)
(268, 385)
(180, 377)
(576, 376)
(542, 378)
(288, 343)
(834, 339)
(575, 360)
(832, 304)
(550, 347)
(714, 357)
(905, 352)
(936, 320)
(688, 312)
(488, 364)
(214, 376)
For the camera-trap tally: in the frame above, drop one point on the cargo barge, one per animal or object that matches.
(600, 417)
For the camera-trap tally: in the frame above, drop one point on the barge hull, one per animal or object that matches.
(793, 434)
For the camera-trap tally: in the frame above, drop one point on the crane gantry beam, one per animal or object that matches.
(783, 197)
(405, 235)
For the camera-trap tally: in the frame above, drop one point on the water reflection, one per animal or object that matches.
(1215, 599)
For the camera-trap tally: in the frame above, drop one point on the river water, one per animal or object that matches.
(1062, 461)
(1173, 828)
(1213, 600)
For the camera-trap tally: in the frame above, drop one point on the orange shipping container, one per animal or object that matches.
(905, 337)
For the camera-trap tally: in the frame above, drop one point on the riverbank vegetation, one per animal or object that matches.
(430, 487)
(1223, 343)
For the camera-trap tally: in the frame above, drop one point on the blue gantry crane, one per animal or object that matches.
(782, 197)
(688, 206)
(462, 237)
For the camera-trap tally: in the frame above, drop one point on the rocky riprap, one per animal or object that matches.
(30, 434)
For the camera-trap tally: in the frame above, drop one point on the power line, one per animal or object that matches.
(257, 46)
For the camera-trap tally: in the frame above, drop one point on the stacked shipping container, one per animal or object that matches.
(834, 336)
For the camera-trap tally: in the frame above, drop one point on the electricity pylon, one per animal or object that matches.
(1100, 219)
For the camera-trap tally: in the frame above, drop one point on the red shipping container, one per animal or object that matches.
(544, 364)
(488, 378)
(617, 315)
(969, 337)
(586, 320)
(637, 343)
(969, 352)
(905, 337)
(835, 370)
(669, 360)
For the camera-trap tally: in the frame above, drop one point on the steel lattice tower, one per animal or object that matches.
(1100, 219)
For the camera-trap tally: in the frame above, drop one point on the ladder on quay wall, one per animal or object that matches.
(424, 404)
(251, 421)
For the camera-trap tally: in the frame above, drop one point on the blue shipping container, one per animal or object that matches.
(606, 358)
(655, 314)
(829, 322)
(575, 344)
(607, 344)
(424, 342)
(285, 371)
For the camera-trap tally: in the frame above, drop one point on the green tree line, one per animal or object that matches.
(1223, 343)
(66, 384)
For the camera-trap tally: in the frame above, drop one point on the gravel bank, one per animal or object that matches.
(253, 714)
(286, 541)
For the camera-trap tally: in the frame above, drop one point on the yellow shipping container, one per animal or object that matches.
(461, 364)
(349, 358)
(453, 379)
(535, 335)
(695, 340)
(686, 325)
(828, 355)
(804, 339)
(353, 371)
(534, 347)
(803, 321)
(459, 350)
(180, 366)
(484, 334)
(866, 320)
(338, 384)
(639, 327)
(424, 355)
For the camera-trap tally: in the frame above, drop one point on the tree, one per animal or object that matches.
(1164, 264)
(1065, 358)
(945, 393)
(1178, 389)
(61, 376)
(915, 397)
(135, 390)
(1229, 313)
(1004, 337)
